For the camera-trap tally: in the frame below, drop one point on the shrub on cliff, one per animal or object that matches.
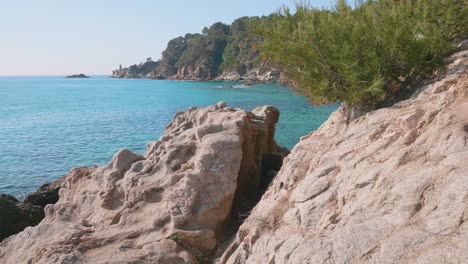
(366, 55)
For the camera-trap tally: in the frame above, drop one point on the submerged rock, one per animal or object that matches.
(389, 187)
(171, 205)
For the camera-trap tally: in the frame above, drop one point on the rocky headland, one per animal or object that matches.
(390, 186)
(221, 52)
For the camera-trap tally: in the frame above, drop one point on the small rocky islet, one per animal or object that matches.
(77, 76)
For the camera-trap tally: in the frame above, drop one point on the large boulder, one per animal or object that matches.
(389, 187)
(170, 205)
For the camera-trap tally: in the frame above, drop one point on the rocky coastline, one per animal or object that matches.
(176, 201)
(390, 186)
(258, 74)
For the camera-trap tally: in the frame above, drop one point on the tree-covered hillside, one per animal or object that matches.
(219, 48)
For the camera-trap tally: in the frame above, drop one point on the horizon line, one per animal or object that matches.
(59, 75)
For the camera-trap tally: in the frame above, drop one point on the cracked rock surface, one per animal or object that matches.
(388, 187)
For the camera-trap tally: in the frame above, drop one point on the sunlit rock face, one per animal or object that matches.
(389, 187)
(169, 205)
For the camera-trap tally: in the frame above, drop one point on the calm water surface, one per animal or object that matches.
(50, 124)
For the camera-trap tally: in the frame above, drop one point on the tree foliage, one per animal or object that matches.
(175, 48)
(206, 50)
(366, 54)
(241, 52)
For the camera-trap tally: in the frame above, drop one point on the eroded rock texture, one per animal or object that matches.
(168, 206)
(389, 187)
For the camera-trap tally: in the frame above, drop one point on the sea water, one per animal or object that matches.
(50, 124)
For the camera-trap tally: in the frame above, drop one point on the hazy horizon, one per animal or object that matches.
(57, 38)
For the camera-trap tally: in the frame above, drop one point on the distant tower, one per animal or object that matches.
(120, 67)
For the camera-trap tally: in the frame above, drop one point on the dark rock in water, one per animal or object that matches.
(15, 216)
(8, 198)
(46, 194)
(77, 76)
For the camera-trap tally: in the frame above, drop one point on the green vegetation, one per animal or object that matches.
(177, 238)
(175, 48)
(205, 50)
(126, 246)
(241, 52)
(364, 55)
(367, 56)
(218, 48)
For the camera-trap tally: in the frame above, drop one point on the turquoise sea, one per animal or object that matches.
(50, 124)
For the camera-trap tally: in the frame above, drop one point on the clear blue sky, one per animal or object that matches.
(56, 37)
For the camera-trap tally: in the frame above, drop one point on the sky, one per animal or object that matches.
(56, 37)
